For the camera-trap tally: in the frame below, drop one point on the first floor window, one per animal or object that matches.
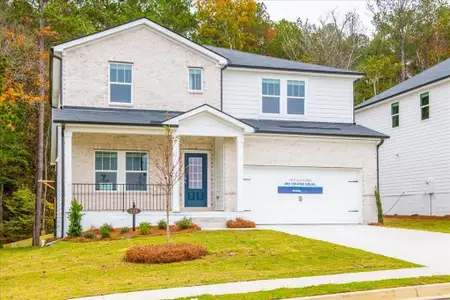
(270, 96)
(395, 114)
(136, 171)
(295, 97)
(120, 83)
(105, 171)
(195, 80)
(425, 106)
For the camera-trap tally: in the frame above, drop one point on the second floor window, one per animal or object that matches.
(195, 80)
(120, 83)
(271, 96)
(395, 114)
(425, 106)
(295, 97)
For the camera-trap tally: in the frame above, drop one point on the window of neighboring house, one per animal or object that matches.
(195, 80)
(295, 97)
(105, 171)
(395, 113)
(120, 83)
(271, 96)
(136, 171)
(425, 106)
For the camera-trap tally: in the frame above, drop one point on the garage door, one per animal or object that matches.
(293, 195)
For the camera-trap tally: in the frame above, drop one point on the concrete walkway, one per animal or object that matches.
(424, 248)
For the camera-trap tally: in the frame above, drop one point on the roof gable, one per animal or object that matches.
(137, 23)
(434, 74)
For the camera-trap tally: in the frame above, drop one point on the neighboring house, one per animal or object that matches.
(262, 138)
(415, 162)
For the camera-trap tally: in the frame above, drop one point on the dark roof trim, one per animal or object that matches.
(110, 123)
(296, 70)
(361, 105)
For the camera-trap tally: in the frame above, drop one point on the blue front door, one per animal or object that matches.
(195, 180)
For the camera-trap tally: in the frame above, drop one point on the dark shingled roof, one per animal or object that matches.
(116, 116)
(438, 72)
(136, 117)
(313, 128)
(250, 60)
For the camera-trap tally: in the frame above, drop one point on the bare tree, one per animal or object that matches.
(41, 121)
(170, 170)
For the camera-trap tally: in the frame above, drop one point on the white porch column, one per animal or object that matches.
(67, 177)
(240, 173)
(179, 176)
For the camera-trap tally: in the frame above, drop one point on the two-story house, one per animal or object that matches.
(267, 139)
(415, 162)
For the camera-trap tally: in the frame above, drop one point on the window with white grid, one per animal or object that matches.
(195, 172)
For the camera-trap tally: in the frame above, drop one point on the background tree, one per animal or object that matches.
(234, 24)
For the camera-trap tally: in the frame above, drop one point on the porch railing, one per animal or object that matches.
(119, 197)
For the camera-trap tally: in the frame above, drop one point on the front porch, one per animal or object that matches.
(109, 168)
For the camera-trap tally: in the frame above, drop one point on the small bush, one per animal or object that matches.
(145, 227)
(162, 254)
(124, 230)
(105, 230)
(89, 235)
(379, 207)
(162, 224)
(75, 216)
(240, 223)
(184, 223)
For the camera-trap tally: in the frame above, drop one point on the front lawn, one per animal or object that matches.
(326, 289)
(67, 269)
(417, 223)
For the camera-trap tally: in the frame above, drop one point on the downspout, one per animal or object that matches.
(63, 190)
(378, 162)
(221, 87)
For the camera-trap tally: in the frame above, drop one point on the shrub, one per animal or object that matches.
(124, 230)
(240, 223)
(145, 227)
(75, 216)
(184, 223)
(162, 224)
(105, 230)
(89, 235)
(379, 207)
(167, 253)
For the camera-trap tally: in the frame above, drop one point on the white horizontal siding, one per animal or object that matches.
(417, 151)
(328, 99)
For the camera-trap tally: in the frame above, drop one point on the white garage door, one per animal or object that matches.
(294, 195)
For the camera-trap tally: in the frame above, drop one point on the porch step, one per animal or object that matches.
(210, 222)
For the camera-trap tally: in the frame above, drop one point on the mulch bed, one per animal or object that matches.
(116, 235)
(418, 217)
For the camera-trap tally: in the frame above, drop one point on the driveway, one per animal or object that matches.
(425, 248)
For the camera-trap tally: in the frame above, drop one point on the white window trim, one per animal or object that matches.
(296, 98)
(397, 114)
(121, 167)
(120, 83)
(201, 80)
(283, 115)
(422, 106)
(279, 96)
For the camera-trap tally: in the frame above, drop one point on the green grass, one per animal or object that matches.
(438, 225)
(325, 289)
(27, 242)
(67, 270)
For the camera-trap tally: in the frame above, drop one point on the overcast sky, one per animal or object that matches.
(314, 9)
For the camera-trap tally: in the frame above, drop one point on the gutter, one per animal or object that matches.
(221, 86)
(378, 162)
